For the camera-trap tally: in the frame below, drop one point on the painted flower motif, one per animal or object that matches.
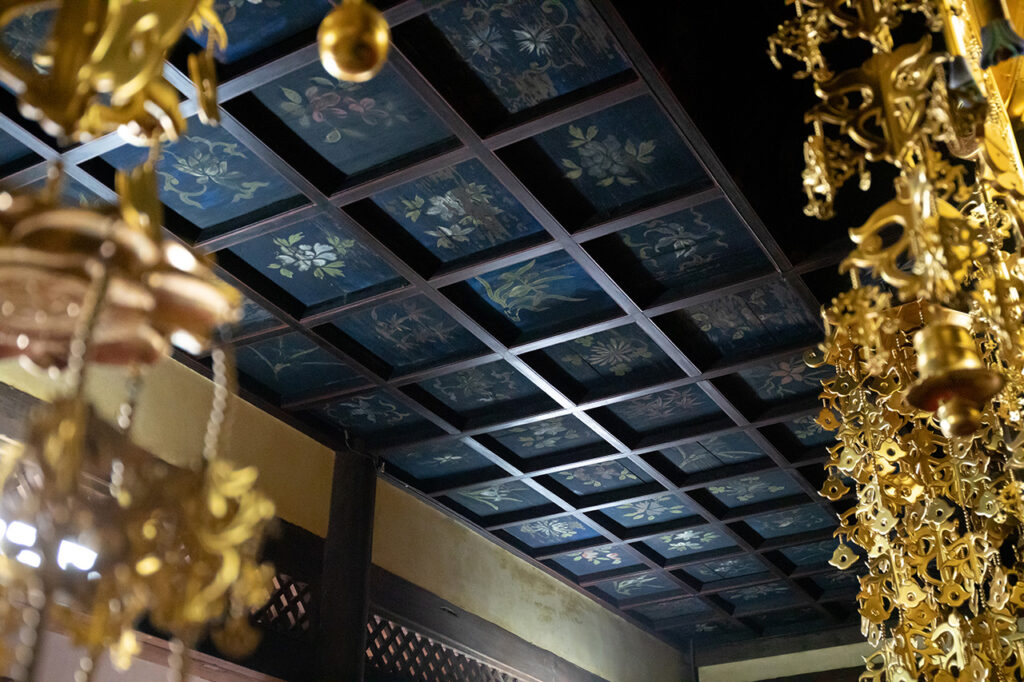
(544, 435)
(322, 259)
(617, 353)
(525, 289)
(448, 237)
(710, 453)
(370, 410)
(462, 210)
(689, 540)
(758, 592)
(631, 586)
(485, 41)
(282, 358)
(690, 245)
(409, 325)
(479, 385)
(806, 429)
(228, 9)
(553, 529)
(747, 488)
(661, 405)
(597, 557)
(598, 474)
(534, 39)
(652, 509)
(328, 103)
(606, 161)
(493, 496)
(208, 163)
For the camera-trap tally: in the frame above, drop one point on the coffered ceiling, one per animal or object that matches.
(513, 267)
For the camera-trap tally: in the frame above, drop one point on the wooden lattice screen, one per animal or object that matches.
(396, 650)
(287, 611)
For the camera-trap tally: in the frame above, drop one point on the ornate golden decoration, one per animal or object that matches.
(94, 532)
(928, 396)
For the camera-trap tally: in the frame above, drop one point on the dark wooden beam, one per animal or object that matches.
(344, 606)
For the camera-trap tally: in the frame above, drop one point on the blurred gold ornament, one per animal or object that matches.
(104, 63)
(353, 41)
(954, 383)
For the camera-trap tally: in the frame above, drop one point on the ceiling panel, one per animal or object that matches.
(510, 267)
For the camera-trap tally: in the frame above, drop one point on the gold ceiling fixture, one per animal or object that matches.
(95, 533)
(928, 343)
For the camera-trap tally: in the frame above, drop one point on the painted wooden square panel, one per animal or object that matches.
(370, 413)
(696, 249)
(355, 126)
(811, 553)
(71, 192)
(480, 388)
(752, 488)
(614, 360)
(809, 432)
(317, 260)
(458, 212)
(760, 597)
(646, 585)
(499, 498)
(621, 156)
(25, 35)
(546, 437)
(840, 581)
(804, 617)
(786, 379)
(645, 512)
(255, 318)
(586, 562)
(725, 569)
(208, 177)
(11, 150)
(791, 521)
(291, 364)
(253, 25)
(713, 452)
(544, 295)
(689, 541)
(435, 460)
(674, 407)
(718, 630)
(527, 53)
(550, 532)
(410, 334)
(755, 321)
(673, 608)
(597, 478)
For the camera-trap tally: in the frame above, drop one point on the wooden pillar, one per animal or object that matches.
(346, 570)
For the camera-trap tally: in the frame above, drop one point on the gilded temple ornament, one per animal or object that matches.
(927, 344)
(96, 533)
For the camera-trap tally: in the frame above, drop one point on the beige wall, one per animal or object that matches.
(295, 470)
(411, 539)
(427, 548)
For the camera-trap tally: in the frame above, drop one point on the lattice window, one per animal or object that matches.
(395, 649)
(288, 608)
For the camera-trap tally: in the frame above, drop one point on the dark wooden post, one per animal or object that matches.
(346, 571)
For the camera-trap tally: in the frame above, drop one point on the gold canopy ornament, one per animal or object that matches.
(95, 533)
(928, 397)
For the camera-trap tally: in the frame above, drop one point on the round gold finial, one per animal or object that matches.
(353, 41)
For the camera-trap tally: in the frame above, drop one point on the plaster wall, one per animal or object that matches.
(429, 549)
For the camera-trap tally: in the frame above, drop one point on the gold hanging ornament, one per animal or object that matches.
(96, 533)
(928, 394)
